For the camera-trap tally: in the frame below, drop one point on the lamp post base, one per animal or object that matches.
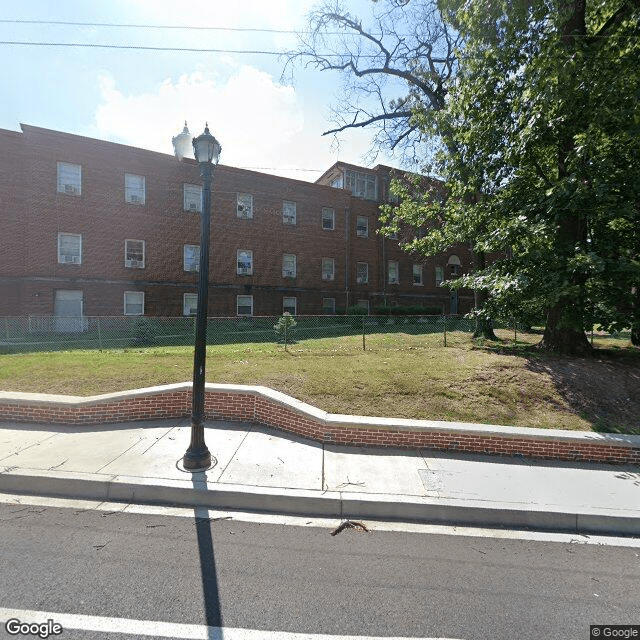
(197, 459)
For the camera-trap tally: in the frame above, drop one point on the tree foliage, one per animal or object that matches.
(541, 159)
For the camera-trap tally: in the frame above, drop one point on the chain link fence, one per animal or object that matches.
(51, 333)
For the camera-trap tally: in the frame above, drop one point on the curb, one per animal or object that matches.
(330, 504)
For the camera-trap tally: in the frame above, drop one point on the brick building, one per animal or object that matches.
(94, 228)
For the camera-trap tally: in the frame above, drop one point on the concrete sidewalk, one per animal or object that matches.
(258, 469)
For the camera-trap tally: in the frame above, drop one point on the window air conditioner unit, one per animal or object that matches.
(134, 198)
(135, 264)
(244, 271)
(289, 273)
(361, 280)
(289, 219)
(327, 276)
(193, 206)
(68, 259)
(70, 188)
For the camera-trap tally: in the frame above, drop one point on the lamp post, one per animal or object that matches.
(197, 457)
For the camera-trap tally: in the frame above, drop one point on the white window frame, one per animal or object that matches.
(362, 279)
(329, 305)
(250, 298)
(289, 212)
(131, 263)
(248, 256)
(68, 258)
(184, 258)
(362, 227)
(69, 178)
(136, 293)
(328, 214)
(134, 189)
(326, 276)
(244, 206)
(291, 270)
(393, 264)
(361, 185)
(439, 276)
(189, 310)
(455, 266)
(418, 271)
(192, 198)
(286, 308)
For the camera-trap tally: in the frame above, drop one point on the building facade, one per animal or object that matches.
(94, 228)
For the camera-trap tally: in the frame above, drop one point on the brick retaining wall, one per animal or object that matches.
(278, 411)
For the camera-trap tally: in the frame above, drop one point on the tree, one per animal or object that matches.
(404, 62)
(404, 59)
(542, 159)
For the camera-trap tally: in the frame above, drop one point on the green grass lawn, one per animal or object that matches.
(399, 375)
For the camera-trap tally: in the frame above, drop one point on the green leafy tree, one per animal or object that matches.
(541, 152)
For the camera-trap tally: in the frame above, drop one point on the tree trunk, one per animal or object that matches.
(564, 332)
(484, 326)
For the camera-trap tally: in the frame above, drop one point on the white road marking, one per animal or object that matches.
(325, 523)
(169, 629)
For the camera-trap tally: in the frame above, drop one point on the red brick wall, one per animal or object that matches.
(252, 407)
(32, 214)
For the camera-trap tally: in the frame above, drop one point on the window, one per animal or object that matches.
(337, 183)
(328, 268)
(69, 178)
(289, 305)
(417, 274)
(69, 248)
(328, 305)
(439, 276)
(193, 198)
(455, 268)
(328, 219)
(191, 257)
(363, 304)
(244, 305)
(245, 205)
(190, 304)
(245, 262)
(362, 227)
(288, 212)
(133, 303)
(394, 276)
(134, 188)
(361, 185)
(362, 273)
(134, 254)
(288, 265)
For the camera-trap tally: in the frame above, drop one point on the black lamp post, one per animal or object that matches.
(197, 457)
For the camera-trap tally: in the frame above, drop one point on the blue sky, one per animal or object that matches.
(142, 98)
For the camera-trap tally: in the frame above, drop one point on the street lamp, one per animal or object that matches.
(197, 457)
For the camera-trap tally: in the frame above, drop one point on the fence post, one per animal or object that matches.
(444, 317)
(99, 334)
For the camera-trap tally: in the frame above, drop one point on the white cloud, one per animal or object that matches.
(258, 121)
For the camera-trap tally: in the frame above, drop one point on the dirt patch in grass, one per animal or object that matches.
(605, 389)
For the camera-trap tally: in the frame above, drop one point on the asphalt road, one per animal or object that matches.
(269, 577)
